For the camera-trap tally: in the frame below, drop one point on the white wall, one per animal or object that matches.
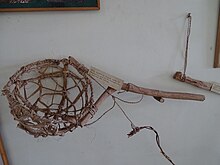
(141, 42)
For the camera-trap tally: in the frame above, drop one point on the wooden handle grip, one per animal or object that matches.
(162, 94)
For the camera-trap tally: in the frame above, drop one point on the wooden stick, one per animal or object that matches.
(3, 152)
(197, 83)
(145, 91)
(157, 94)
(97, 104)
(162, 94)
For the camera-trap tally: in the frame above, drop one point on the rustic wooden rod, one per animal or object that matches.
(145, 91)
(208, 86)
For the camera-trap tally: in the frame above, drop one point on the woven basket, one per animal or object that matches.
(49, 97)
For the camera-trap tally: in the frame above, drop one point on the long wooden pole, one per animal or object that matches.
(162, 94)
(157, 94)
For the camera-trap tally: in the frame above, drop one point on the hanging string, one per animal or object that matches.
(189, 18)
(108, 110)
(135, 129)
(114, 102)
(126, 116)
(118, 98)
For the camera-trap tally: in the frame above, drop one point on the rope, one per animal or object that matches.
(189, 23)
(137, 129)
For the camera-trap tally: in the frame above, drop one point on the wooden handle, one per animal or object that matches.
(162, 94)
(150, 92)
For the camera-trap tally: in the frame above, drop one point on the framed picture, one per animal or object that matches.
(48, 5)
(217, 48)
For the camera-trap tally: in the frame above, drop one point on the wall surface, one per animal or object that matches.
(140, 41)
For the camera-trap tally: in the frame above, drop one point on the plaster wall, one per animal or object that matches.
(141, 42)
